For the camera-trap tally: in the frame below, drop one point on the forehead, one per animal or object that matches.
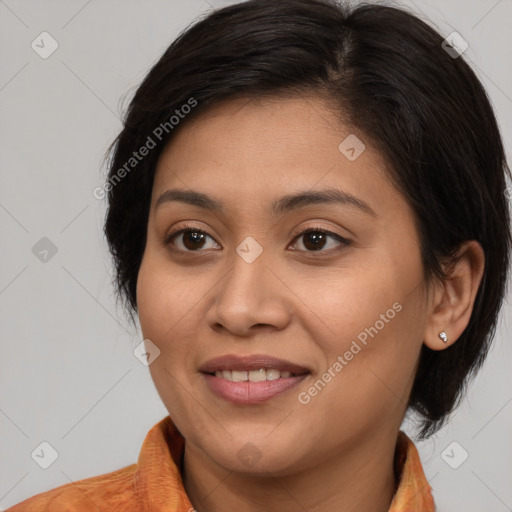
(259, 125)
(252, 149)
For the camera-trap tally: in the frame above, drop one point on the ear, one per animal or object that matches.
(454, 298)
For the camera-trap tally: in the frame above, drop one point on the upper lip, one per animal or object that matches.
(248, 363)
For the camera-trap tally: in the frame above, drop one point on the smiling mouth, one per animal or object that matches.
(250, 387)
(263, 374)
(251, 379)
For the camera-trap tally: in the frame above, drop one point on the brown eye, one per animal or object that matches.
(191, 239)
(315, 239)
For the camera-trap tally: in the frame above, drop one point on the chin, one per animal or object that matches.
(256, 458)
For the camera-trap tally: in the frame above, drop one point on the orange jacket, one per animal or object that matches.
(154, 484)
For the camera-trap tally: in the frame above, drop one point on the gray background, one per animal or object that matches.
(68, 374)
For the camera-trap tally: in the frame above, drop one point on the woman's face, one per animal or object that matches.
(347, 308)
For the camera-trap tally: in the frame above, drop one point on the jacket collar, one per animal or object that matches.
(159, 485)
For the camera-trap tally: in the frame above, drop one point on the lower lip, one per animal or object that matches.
(248, 392)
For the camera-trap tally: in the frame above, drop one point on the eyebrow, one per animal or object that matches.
(282, 205)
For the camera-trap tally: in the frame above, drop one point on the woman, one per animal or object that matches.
(307, 212)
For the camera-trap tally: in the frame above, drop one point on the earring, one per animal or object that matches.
(443, 336)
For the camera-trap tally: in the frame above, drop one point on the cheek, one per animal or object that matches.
(163, 297)
(347, 302)
(374, 323)
(149, 299)
(369, 367)
(162, 311)
(159, 301)
(169, 308)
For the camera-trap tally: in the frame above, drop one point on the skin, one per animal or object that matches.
(197, 302)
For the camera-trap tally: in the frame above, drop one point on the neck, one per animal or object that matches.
(360, 478)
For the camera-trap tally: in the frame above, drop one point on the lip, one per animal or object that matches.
(253, 362)
(247, 393)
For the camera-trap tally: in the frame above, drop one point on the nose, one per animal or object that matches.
(251, 297)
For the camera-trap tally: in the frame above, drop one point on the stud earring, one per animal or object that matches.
(443, 336)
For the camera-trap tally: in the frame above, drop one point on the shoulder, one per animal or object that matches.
(110, 491)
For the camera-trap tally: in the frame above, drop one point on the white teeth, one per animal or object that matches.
(258, 375)
(273, 374)
(239, 376)
(253, 375)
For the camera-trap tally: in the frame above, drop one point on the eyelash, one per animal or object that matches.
(191, 228)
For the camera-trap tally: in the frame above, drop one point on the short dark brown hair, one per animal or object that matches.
(389, 74)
